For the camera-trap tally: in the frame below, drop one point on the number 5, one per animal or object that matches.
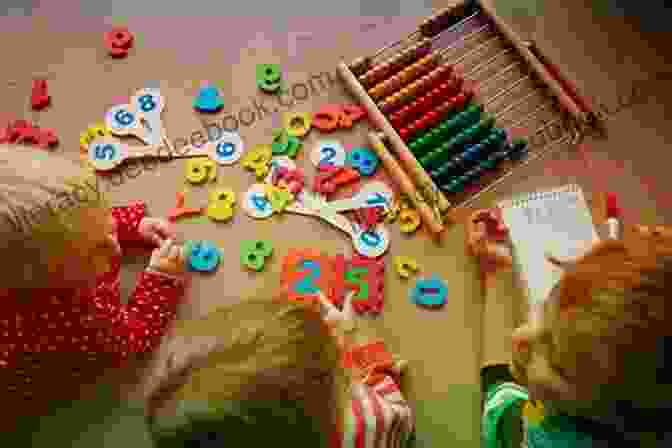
(105, 152)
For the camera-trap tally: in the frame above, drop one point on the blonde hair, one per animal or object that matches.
(605, 334)
(269, 354)
(39, 191)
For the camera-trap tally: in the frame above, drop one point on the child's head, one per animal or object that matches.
(274, 377)
(600, 338)
(55, 226)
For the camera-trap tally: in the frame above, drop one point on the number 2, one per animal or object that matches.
(307, 285)
(105, 152)
(328, 154)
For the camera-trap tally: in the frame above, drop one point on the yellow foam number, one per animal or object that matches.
(220, 204)
(92, 132)
(297, 124)
(200, 169)
(258, 159)
(405, 266)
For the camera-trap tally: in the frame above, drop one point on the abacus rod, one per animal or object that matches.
(529, 116)
(415, 33)
(493, 185)
(463, 39)
(480, 67)
(476, 49)
(487, 81)
(534, 63)
(407, 158)
(404, 183)
(507, 89)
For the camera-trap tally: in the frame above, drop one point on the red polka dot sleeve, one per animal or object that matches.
(128, 220)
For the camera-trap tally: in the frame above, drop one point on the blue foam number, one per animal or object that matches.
(124, 117)
(105, 152)
(363, 160)
(328, 154)
(225, 149)
(307, 285)
(431, 292)
(147, 103)
(203, 256)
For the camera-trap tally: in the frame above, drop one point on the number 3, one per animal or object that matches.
(328, 154)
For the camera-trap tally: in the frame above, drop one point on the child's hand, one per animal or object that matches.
(486, 234)
(168, 259)
(155, 230)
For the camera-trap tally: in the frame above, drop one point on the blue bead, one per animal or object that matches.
(363, 160)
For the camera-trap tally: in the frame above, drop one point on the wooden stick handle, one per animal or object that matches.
(537, 67)
(417, 172)
(405, 184)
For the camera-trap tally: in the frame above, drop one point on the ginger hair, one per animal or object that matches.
(275, 375)
(40, 193)
(605, 332)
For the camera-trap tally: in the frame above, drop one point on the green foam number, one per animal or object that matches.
(268, 77)
(253, 253)
(358, 276)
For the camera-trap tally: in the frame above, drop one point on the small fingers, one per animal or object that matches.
(348, 313)
(329, 311)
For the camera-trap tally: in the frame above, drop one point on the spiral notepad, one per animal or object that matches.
(556, 221)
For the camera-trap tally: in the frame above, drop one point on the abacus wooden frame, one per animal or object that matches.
(410, 173)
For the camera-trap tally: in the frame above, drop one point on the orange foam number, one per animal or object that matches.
(327, 119)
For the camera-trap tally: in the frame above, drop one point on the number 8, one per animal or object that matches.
(147, 103)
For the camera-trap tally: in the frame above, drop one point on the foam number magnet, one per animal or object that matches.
(220, 204)
(269, 77)
(370, 243)
(297, 124)
(328, 152)
(409, 220)
(106, 153)
(367, 278)
(122, 120)
(200, 169)
(280, 143)
(203, 256)
(363, 160)
(228, 148)
(256, 204)
(405, 266)
(304, 274)
(328, 118)
(430, 292)
(253, 254)
(278, 163)
(150, 104)
(258, 160)
(92, 132)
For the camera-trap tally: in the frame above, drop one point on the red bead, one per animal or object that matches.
(403, 133)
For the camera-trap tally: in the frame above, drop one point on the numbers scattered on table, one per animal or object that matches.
(200, 169)
(430, 292)
(118, 41)
(221, 203)
(253, 254)
(405, 266)
(363, 160)
(229, 148)
(204, 256)
(255, 203)
(328, 152)
(258, 159)
(105, 153)
(297, 124)
(208, 99)
(269, 77)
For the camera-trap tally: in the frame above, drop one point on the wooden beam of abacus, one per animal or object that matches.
(554, 86)
(405, 184)
(417, 172)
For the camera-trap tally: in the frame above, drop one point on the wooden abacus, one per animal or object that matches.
(436, 101)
